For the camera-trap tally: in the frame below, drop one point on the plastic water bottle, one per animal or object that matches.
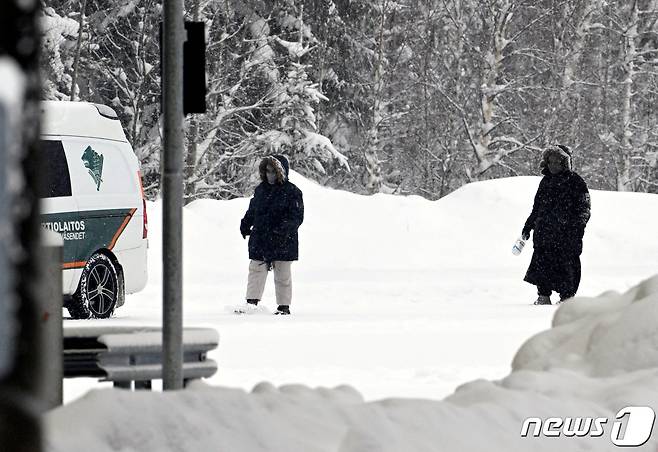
(518, 246)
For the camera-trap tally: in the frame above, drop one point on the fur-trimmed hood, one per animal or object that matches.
(561, 151)
(280, 165)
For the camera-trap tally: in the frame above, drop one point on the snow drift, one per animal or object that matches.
(599, 356)
(472, 228)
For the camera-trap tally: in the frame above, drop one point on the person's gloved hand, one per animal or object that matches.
(525, 234)
(244, 231)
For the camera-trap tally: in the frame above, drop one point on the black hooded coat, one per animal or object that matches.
(275, 213)
(559, 215)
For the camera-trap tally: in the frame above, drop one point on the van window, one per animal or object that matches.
(99, 167)
(57, 180)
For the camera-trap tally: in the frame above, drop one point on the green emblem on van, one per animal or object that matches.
(94, 164)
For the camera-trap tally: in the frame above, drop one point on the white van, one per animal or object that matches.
(92, 195)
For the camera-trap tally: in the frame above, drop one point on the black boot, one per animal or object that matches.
(565, 297)
(544, 295)
(543, 299)
(282, 310)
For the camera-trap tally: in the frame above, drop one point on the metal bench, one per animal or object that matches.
(127, 354)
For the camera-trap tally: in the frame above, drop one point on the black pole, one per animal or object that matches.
(172, 195)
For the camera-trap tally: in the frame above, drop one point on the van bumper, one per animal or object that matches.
(134, 264)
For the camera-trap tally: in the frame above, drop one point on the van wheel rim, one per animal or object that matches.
(101, 293)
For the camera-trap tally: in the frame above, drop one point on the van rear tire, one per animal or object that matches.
(98, 291)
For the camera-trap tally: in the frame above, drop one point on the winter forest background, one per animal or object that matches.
(408, 96)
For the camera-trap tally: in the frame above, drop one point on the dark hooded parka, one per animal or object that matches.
(275, 213)
(559, 215)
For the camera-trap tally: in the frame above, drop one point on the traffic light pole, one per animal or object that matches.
(172, 195)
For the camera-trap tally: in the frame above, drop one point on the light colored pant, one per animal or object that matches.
(282, 281)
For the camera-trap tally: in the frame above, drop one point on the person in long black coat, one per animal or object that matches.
(275, 213)
(559, 215)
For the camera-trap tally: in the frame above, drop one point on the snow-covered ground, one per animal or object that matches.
(401, 297)
(600, 356)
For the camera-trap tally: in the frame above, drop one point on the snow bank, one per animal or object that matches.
(473, 227)
(600, 337)
(600, 356)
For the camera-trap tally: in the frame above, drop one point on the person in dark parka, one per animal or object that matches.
(275, 213)
(559, 215)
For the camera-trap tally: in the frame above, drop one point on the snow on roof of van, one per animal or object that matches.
(81, 119)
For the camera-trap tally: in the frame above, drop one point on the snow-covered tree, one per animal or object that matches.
(261, 99)
(58, 39)
(420, 96)
(628, 30)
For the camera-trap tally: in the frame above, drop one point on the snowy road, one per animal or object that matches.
(381, 338)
